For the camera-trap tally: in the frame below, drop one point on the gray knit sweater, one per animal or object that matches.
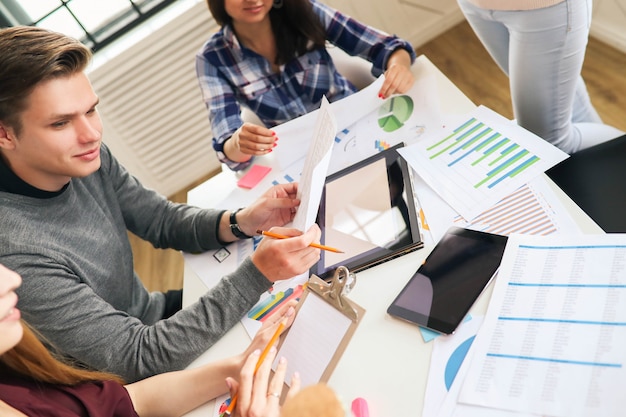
(80, 291)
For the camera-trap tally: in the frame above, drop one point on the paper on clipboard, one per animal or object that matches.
(325, 322)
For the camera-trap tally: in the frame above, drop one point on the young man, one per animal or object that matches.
(67, 204)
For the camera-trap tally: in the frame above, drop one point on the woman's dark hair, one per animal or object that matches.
(297, 29)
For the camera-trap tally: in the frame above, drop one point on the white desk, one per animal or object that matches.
(387, 360)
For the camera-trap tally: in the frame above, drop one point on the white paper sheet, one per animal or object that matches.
(554, 336)
(313, 338)
(315, 168)
(476, 163)
(532, 209)
(295, 135)
(448, 354)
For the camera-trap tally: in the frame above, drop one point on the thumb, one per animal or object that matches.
(233, 386)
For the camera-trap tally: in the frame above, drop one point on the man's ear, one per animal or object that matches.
(7, 137)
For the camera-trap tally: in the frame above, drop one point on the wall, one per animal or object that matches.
(609, 22)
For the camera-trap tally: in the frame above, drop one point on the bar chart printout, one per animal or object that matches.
(554, 336)
(482, 160)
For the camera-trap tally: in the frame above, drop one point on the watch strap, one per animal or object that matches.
(234, 226)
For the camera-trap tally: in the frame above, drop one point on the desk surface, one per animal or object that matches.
(387, 360)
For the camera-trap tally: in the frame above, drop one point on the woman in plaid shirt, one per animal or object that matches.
(271, 56)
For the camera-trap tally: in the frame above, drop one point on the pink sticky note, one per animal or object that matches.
(254, 176)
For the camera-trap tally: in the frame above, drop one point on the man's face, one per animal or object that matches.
(60, 136)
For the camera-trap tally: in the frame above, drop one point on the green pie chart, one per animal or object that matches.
(394, 112)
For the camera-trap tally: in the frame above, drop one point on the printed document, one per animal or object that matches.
(554, 336)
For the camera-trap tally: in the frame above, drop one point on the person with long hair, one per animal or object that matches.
(271, 56)
(33, 382)
(540, 45)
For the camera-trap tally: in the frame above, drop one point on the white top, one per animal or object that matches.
(514, 4)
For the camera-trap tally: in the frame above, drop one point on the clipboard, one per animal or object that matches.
(325, 322)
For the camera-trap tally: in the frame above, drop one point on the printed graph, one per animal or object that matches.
(482, 159)
(478, 147)
(395, 112)
(525, 211)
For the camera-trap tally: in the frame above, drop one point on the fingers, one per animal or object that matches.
(312, 235)
(261, 379)
(285, 312)
(296, 241)
(246, 382)
(398, 79)
(284, 258)
(289, 190)
(256, 140)
(296, 383)
(276, 384)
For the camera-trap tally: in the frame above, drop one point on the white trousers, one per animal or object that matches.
(542, 52)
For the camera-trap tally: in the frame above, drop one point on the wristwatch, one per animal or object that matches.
(234, 226)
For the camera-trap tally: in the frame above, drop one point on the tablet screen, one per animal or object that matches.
(450, 280)
(367, 211)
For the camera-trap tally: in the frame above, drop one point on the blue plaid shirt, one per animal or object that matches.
(231, 75)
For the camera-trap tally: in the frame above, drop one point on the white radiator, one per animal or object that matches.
(154, 119)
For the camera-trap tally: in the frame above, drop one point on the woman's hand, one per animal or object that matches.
(285, 314)
(398, 75)
(249, 140)
(257, 395)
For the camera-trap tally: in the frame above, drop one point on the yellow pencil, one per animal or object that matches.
(314, 245)
(269, 345)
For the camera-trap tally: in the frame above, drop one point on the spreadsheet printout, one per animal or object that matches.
(554, 336)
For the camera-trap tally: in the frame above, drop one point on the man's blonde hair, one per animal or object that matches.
(31, 55)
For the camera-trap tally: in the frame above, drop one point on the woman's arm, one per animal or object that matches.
(176, 393)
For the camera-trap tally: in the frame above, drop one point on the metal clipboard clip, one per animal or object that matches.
(333, 292)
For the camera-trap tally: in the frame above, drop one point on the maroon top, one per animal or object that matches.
(99, 399)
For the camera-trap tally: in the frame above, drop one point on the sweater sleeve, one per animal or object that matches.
(152, 217)
(83, 326)
(355, 38)
(78, 286)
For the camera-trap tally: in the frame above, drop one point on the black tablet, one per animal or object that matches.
(368, 211)
(450, 280)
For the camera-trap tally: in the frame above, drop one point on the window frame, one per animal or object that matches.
(12, 14)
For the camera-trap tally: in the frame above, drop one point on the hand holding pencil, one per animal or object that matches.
(284, 258)
(313, 244)
(255, 394)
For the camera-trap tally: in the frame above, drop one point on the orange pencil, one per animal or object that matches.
(313, 245)
(269, 345)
